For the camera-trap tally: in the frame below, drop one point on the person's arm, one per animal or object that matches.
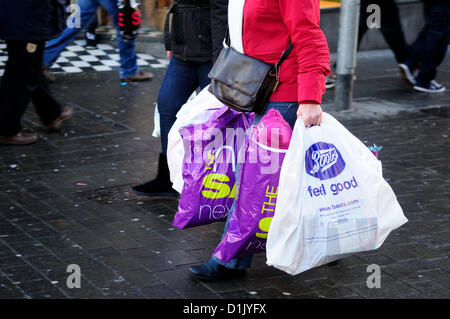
(219, 25)
(313, 58)
(167, 27)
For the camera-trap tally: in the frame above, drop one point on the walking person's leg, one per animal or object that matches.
(129, 70)
(435, 39)
(179, 82)
(409, 67)
(392, 30)
(14, 96)
(55, 46)
(215, 269)
(90, 35)
(24, 79)
(50, 111)
(362, 28)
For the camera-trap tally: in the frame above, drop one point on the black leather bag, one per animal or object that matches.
(244, 83)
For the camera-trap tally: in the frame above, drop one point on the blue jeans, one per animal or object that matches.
(430, 47)
(88, 8)
(181, 79)
(289, 112)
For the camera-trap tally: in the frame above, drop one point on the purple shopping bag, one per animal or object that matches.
(209, 167)
(258, 188)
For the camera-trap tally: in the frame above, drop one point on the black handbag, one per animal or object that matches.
(244, 83)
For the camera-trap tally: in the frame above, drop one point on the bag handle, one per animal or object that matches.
(280, 61)
(284, 56)
(234, 157)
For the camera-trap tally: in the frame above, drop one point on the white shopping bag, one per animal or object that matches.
(156, 125)
(332, 200)
(196, 110)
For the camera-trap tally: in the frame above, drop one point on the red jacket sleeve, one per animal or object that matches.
(302, 19)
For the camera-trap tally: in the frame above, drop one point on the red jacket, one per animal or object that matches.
(269, 26)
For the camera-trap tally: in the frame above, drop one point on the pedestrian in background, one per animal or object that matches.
(129, 70)
(390, 27)
(429, 49)
(90, 35)
(193, 41)
(26, 25)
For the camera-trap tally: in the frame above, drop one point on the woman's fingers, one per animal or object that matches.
(311, 114)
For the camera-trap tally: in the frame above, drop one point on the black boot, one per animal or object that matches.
(161, 185)
(212, 270)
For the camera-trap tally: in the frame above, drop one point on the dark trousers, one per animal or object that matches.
(429, 49)
(92, 26)
(390, 26)
(23, 80)
(180, 81)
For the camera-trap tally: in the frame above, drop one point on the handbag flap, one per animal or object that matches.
(239, 71)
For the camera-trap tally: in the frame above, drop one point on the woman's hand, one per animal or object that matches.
(311, 114)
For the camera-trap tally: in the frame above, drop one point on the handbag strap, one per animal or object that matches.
(284, 55)
(280, 61)
(227, 37)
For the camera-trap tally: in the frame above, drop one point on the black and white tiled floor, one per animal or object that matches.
(76, 58)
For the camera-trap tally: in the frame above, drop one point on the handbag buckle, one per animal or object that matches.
(274, 73)
(276, 85)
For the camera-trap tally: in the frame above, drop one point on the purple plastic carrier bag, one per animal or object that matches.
(209, 167)
(258, 187)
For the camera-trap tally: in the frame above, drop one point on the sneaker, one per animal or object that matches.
(91, 41)
(406, 74)
(433, 87)
(139, 77)
(331, 80)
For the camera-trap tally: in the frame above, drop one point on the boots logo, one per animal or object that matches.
(323, 161)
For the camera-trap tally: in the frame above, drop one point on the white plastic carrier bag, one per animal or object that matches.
(197, 110)
(156, 125)
(332, 200)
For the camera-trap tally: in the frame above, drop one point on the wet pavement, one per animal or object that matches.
(65, 200)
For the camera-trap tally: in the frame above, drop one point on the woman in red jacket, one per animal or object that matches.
(268, 27)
